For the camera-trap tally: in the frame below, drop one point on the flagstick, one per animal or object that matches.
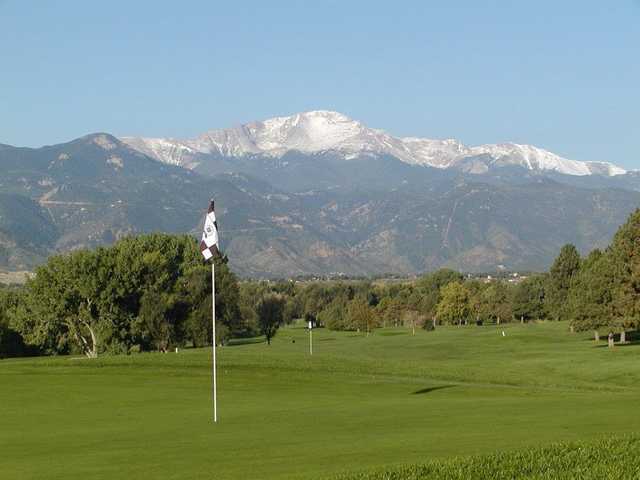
(213, 323)
(311, 341)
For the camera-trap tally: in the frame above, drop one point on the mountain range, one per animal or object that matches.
(313, 193)
(325, 131)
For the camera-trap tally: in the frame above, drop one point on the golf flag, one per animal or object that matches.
(209, 243)
(209, 249)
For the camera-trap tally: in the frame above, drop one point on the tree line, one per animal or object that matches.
(599, 291)
(148, 292)
(153, 292)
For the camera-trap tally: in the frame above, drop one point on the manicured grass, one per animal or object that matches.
(358, 403)
(612, 458)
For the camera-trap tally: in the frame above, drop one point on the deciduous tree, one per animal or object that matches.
(454, 304)
(270, 312)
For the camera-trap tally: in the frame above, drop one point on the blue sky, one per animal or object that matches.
(560, 75)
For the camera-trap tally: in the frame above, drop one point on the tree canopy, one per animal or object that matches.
(142, 293)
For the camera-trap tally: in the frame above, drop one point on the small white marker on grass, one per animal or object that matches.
(504, 334)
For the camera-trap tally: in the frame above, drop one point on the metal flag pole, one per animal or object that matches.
(213, 324)
(310, 337)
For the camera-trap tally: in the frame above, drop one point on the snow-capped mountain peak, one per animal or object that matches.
(305, 132)
(327, 131)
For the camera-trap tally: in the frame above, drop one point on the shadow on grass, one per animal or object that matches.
(604, 344)
(234, 342)
(330, 339)
(391, 334)
(632, 340)
(423, 391)
(632, 337)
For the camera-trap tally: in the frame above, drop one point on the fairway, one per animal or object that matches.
(357, 403)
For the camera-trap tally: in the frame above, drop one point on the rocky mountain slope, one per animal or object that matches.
(94, 190)
(326, 210)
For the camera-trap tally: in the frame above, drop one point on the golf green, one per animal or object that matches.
(359, 402)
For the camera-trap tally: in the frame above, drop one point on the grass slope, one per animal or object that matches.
(358, 403)
(613, 458)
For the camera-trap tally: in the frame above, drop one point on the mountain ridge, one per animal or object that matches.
(322, 131)
(305, 214)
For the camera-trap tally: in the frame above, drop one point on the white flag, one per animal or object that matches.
(209, 243)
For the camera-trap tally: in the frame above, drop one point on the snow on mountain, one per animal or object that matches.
(326, 131)
(534, 158)
(167, 150)
(435, 153)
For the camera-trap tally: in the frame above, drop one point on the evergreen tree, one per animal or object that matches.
(590, 303)
(625, 262)
(558, 281)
